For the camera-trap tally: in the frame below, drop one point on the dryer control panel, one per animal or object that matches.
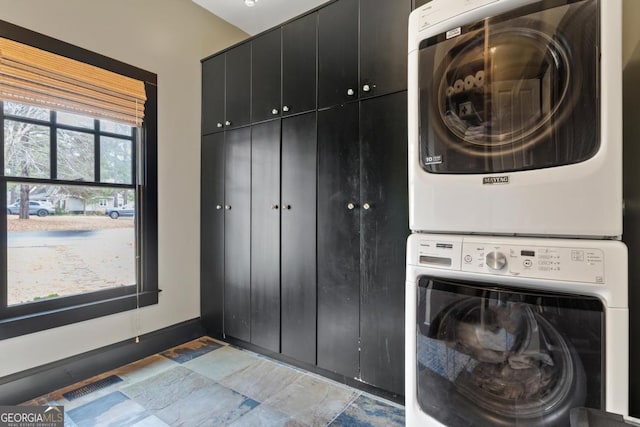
(571, 264)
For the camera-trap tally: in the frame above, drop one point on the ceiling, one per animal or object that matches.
(264, 15)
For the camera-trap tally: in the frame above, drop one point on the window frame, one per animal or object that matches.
(46, 314)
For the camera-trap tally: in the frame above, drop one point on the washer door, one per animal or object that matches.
(498, 356)
(513, 92)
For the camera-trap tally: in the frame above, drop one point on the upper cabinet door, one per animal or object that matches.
(383, 46)
(338, 53)
(299, 60)
(238, 98)
(265, 78)
(213, 94)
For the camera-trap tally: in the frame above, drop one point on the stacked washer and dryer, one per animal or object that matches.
(517, 294)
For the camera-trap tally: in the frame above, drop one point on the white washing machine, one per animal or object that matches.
(515, 117)
(506, 331)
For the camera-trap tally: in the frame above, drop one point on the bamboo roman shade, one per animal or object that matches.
(33, 76)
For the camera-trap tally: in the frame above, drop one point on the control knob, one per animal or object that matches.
(496, 260)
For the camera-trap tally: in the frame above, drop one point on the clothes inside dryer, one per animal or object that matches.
(497, 356)
(514, 92)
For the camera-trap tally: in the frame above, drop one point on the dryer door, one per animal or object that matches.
(496, 356)
(513, 92)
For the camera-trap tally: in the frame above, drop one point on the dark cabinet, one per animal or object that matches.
(298, 238)
(304, 212)
(265, 78)
(237, 225)
(213, 89)
(299, 56)
(238, 84)
(362, 49)
(384, 230)
(338, 53)
(212, 233)
(339, 240)
(383, 46)
(265, 235)
(362, 231)
(226, 90)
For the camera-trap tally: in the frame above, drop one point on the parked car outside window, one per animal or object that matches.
(116, 213)
(35, 208)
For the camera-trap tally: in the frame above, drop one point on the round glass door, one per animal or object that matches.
(512, 92)
(497, 90)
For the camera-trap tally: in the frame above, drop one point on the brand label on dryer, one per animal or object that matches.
(432, 160)
(454, 33)
(494, 180)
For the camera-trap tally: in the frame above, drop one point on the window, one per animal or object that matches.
(79, 188)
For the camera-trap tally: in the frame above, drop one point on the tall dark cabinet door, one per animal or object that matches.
(237, 191)
(238, 78)
(213, 94)
(265, 78)
(212, 233)
(298, 238)
(383, 46)
(383, 142)
(338, 240)
(338, 53)
(299, 56)
(265, 235)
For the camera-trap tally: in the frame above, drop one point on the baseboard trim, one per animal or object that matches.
(31, 383)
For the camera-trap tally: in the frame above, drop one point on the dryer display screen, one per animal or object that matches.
(513, 92)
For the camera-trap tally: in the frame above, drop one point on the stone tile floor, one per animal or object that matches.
(209, 383)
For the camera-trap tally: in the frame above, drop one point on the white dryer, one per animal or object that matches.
(514, 331)
(515, 117)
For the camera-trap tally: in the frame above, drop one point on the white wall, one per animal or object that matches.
(167, 37)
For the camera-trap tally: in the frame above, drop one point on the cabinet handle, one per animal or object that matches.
(227, 123)
(227, 207)
(350, 92)
(366, 88)
(366, 206)
(219, 125)
(287, 206)
(218, 207)
(274, 111)
(274, 207)
(351, 206)
(285, 108)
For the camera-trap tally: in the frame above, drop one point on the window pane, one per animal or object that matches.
(76, 156)
(28, 111)
(62, 253)
(26, 150)
(113, 127)
(75, 120)
(115, 160)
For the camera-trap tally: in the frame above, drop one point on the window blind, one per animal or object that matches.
(33, 76)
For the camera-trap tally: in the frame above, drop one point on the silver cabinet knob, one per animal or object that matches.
(286, 206)
(227, 123)
(285, 108)
(274, 207)
(496, 260)
(351, 206)
(227, 207)
(219, 125)
(366, 206)
(350, 92)
(366, 88)
(274, 111)
(218, 207)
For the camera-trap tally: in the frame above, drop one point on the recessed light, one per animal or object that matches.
(250, 3)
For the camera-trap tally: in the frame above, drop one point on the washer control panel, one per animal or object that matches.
(572, 264)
